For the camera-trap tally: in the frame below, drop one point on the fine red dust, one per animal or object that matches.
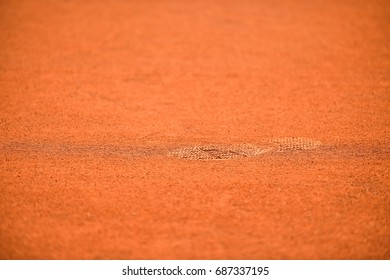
(194, 129)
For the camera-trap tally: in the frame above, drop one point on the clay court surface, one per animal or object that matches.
(194, 129)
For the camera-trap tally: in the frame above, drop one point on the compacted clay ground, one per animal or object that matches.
(194, 129)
